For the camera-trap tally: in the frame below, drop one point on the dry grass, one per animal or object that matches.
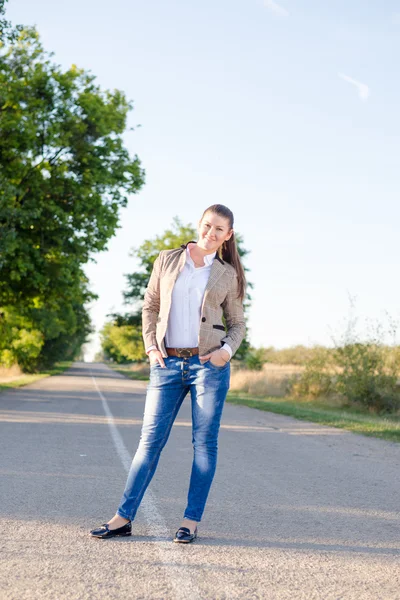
(14, 377)
(272, 380)
(9, 374)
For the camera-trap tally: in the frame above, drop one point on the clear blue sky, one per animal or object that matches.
(285, 111)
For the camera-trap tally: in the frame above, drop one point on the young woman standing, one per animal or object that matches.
(190, 289)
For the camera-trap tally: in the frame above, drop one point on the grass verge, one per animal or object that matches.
(356, 420)
(58, 368)
(131, 374)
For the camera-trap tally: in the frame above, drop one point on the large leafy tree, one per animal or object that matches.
(137, 282)
(64, 171)
(64, 175)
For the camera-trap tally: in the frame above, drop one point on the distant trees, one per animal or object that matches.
(64, 174)
(122, 335)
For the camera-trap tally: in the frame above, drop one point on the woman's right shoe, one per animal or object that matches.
(183, 535)
(104, 532)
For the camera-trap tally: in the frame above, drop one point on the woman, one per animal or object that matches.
(190, 289)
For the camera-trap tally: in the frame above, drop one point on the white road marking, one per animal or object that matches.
(175, 565)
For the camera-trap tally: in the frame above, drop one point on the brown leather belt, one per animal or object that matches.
(182, 352)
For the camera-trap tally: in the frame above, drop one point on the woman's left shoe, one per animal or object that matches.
(183, 535)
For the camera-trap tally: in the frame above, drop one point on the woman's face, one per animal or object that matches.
(213, 232)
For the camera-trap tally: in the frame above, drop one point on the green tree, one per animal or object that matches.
(64, 175)
(122, 343)
(146, 254)
(64, 171)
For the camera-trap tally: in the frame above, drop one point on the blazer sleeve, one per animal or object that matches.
(234, 316)
(151, 305)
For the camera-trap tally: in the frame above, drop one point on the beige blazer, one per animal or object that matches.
(220, 298)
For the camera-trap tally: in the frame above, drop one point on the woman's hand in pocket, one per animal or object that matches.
(155, 357)
(219, 358)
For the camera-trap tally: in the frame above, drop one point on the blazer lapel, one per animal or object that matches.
(217, 271)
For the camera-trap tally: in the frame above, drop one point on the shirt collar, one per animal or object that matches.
(208, 259)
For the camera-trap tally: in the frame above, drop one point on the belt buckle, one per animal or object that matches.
(184, 352)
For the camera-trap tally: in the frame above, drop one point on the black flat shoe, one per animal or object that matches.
(104, 532)
(183, 535)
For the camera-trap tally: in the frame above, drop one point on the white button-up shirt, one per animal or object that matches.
(187, 298)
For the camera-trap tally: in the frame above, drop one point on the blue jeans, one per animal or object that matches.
(208, 386)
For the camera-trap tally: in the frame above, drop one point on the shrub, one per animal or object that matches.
(360, 370)
(316, 380)
(254, 359)
(295, 355)
(366, 377)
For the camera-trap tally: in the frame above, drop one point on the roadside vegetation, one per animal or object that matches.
(10, 378)
(352, 385)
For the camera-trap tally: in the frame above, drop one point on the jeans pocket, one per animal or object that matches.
(217, 367)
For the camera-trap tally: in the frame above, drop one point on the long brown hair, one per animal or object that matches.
(228, 251)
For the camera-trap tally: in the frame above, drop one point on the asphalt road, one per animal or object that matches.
(297, 510)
